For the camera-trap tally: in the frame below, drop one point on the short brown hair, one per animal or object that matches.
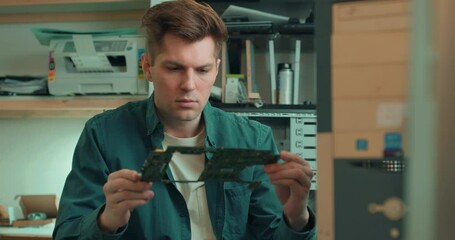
(187, 19)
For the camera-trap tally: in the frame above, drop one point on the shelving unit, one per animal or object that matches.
(27, 11)
(60, 107)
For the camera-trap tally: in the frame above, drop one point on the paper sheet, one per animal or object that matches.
(44, 35)
(86, 58)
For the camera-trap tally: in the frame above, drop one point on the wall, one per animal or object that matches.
(35, 155)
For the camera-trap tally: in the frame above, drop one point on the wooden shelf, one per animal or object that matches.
(71, 17)
(31, 11)
(60, 107)
(43, 2)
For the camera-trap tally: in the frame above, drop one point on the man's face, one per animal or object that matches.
(182, 74)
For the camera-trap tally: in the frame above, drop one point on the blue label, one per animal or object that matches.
(362, 144)
(392, 141)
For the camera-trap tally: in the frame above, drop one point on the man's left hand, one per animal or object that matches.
(292, 180)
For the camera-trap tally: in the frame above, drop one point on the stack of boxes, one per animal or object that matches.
(370, 71)
(370, 51)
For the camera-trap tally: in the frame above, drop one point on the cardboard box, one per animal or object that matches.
(370, 16)
(371, 81)
(368, 114)
(363, 49)
(38, 203)
(30, 223)
(360, 144)
(4, 216)
(46, 204)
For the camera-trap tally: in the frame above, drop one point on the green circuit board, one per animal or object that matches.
(225, 163)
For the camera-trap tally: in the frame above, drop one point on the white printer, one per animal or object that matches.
(86, 64)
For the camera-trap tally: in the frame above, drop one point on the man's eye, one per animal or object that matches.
(173, 69)
(203, 70)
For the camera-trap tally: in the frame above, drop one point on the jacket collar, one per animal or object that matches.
(154, 124)
(155, 129)
(210, 125)
(151, 118)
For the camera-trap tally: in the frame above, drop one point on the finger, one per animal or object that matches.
(296, 191)
(123, 196)
(294, 185)
(120, 184)
(132, 204)
(302, 177)
(125, 173)
(292, 173)
(291, 157)
(275, 167)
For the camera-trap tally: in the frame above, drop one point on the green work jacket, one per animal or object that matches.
(122, 138)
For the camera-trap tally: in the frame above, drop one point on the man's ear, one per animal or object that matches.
(146, 66)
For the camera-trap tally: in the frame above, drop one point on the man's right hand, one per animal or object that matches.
(124, 192)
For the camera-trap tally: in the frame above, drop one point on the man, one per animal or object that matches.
(103, 197)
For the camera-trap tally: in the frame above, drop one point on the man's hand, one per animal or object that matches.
(124, 192)
(292, 180)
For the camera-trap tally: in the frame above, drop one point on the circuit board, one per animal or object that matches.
(225, 164)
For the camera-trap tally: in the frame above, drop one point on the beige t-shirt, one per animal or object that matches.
(190, 167)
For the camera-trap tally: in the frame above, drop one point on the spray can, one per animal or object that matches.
(285, 78)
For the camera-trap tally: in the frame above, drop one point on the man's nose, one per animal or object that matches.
(188, 82)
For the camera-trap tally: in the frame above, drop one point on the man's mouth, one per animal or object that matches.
(186, 103)
(186, 100)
